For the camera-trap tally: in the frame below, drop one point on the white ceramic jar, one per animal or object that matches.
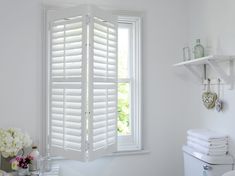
(35, 163)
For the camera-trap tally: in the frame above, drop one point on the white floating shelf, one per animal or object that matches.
(205, 60)
(213, 62)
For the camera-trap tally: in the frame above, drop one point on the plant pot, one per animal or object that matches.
(5, 164)
(23, 172)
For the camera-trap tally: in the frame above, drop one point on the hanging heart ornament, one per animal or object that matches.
(218, 105)
(219, 102)
(209, 98)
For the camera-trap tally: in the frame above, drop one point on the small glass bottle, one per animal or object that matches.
(198, 49)
(35, 163)
(45, 164)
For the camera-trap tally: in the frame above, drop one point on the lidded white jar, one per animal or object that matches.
(35, 163)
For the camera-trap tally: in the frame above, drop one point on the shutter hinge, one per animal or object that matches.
(87, 45)
(88, 19)
(87, 113)
(87, 147)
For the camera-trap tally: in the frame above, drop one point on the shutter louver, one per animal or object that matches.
(103, 92)
(67, 87)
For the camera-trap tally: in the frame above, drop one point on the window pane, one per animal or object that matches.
(123, 51)
(124, 123)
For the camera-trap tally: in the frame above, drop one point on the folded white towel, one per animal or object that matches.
(203, 150)
(207, 135)
(206, 150)
(217, 147)
(210, 144)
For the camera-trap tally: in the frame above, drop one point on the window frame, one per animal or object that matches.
(133, 142)
(136, 21)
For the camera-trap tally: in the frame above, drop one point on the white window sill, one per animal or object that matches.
(118, 153)
(126, 153)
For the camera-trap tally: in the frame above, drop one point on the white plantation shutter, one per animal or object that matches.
(67, 86)
(103, 84)
(82, 78)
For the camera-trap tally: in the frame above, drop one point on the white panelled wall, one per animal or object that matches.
(171, 103)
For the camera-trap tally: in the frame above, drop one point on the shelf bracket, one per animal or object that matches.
(221, 73)
(218, 70)
(193, 71)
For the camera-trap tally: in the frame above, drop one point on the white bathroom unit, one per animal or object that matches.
(197, 164)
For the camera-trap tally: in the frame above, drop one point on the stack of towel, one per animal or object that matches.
(207, 142)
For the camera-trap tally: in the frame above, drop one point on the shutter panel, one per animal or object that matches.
(103, 84)
(67, 83)
(82, 78)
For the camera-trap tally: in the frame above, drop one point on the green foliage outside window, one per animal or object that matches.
(123, 88)
(123, 109)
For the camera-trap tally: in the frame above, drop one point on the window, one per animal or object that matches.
(129, 84)
(86, 92)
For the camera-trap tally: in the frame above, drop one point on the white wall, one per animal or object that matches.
(214, 22)
(168, 106)
(20, 65)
